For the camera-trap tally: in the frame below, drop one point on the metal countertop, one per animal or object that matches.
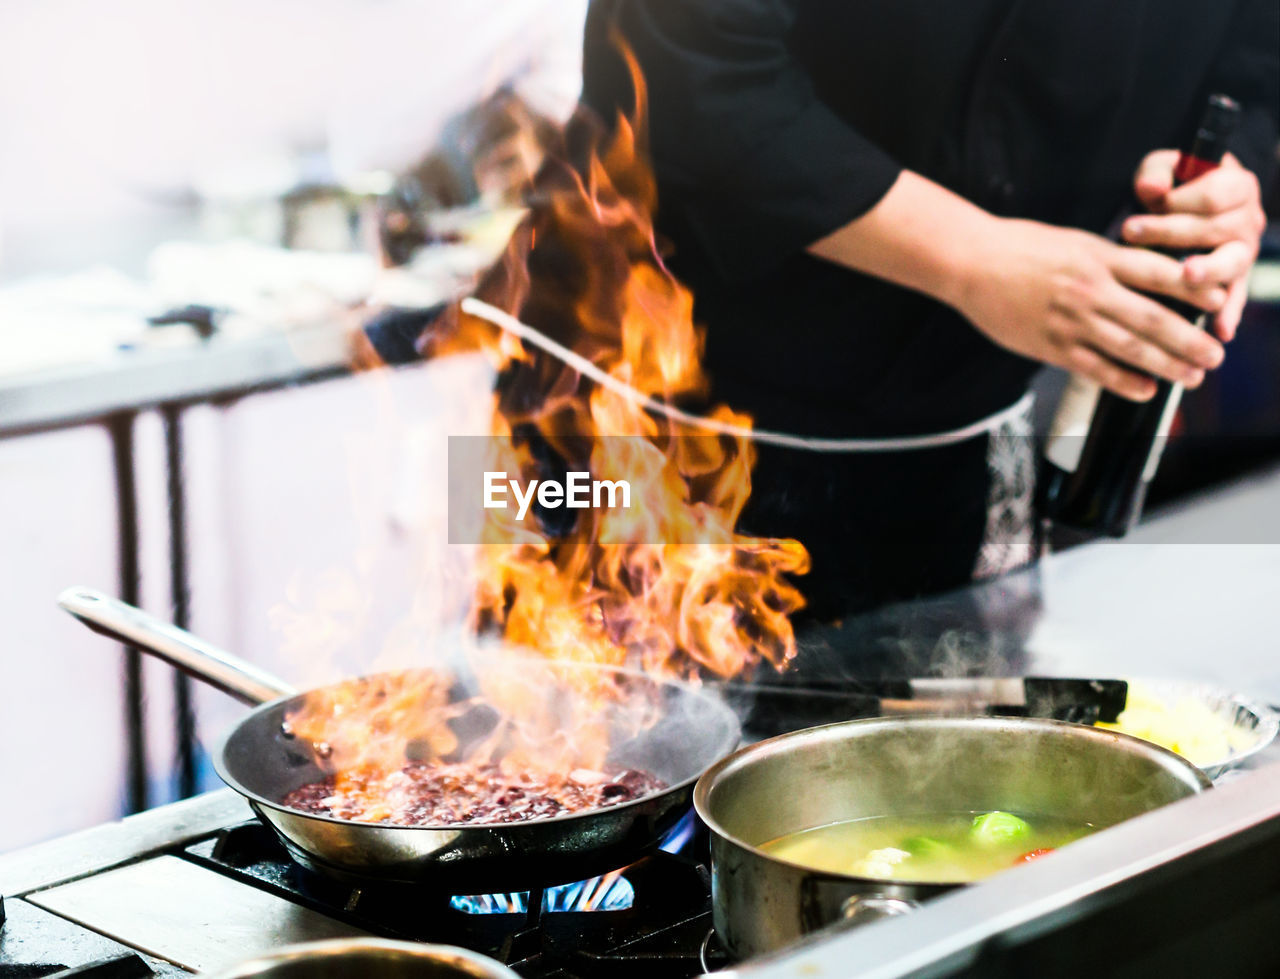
(1193, 593)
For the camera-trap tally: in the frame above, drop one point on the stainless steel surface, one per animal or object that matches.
(950, 930)
(1190, 594)
(190, 916)
(358, 958)
(687, 731)
(134, 627)
(100, 847)
(879, 767)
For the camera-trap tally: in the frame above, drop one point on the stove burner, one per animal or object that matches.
(611, 892)
(650, 918)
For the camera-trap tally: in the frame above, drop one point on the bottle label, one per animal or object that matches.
(1071, 423)
(1166, 419)
(1162, 434)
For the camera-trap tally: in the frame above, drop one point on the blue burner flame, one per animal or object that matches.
(608, 893)
(681, 833)
(612, 892)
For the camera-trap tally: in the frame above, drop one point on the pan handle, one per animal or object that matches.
(175, 646)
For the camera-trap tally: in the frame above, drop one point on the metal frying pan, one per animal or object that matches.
(263, 764)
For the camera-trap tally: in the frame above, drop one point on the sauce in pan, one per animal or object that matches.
(436, 794)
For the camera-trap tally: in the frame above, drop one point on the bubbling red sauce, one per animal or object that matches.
(437, 794)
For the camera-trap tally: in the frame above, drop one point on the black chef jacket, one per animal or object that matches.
(775, 122)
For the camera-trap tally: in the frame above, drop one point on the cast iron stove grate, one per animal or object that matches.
(662, 932)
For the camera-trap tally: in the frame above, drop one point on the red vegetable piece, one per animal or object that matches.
(1034, 854)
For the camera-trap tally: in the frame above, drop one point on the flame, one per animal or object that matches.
(668, 585)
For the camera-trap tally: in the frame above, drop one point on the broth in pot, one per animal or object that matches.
(941, 848)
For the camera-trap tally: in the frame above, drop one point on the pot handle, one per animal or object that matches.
(826, 904)
(175, 646)
(864, 908)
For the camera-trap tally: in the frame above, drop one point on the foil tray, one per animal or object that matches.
(1251, 722)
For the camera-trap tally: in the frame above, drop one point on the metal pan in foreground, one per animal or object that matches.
(259, 760)
(263, 764)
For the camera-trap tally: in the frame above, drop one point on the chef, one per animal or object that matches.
(891, 213)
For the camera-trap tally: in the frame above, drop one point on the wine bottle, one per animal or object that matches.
(1103, 450)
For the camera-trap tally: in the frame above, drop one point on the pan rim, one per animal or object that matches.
(732, 741)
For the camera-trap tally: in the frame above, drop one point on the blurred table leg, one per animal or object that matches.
(180, 589)
(120, 428)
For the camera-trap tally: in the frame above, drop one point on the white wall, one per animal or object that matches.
(59, 690)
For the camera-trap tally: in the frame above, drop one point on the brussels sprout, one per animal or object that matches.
(996, 828)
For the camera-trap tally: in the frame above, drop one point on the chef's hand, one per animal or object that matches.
(1057, 295)
(1219, 213)
(1073, 299)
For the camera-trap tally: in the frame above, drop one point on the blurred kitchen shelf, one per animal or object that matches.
(138, 379)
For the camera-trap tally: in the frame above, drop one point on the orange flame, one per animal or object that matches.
(622, 585)
(668, 585)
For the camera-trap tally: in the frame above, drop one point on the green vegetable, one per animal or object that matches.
(997, 828)
(926, 847)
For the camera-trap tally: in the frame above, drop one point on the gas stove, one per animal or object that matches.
(198, 885)
(218, 895)
(650, 918)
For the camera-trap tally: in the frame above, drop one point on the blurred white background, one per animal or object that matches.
(111, 115)
(114, 119)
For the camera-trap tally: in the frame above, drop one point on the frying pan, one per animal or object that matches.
(263, 763)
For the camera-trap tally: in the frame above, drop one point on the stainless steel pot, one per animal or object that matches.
(907, 766)
(360, 958)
